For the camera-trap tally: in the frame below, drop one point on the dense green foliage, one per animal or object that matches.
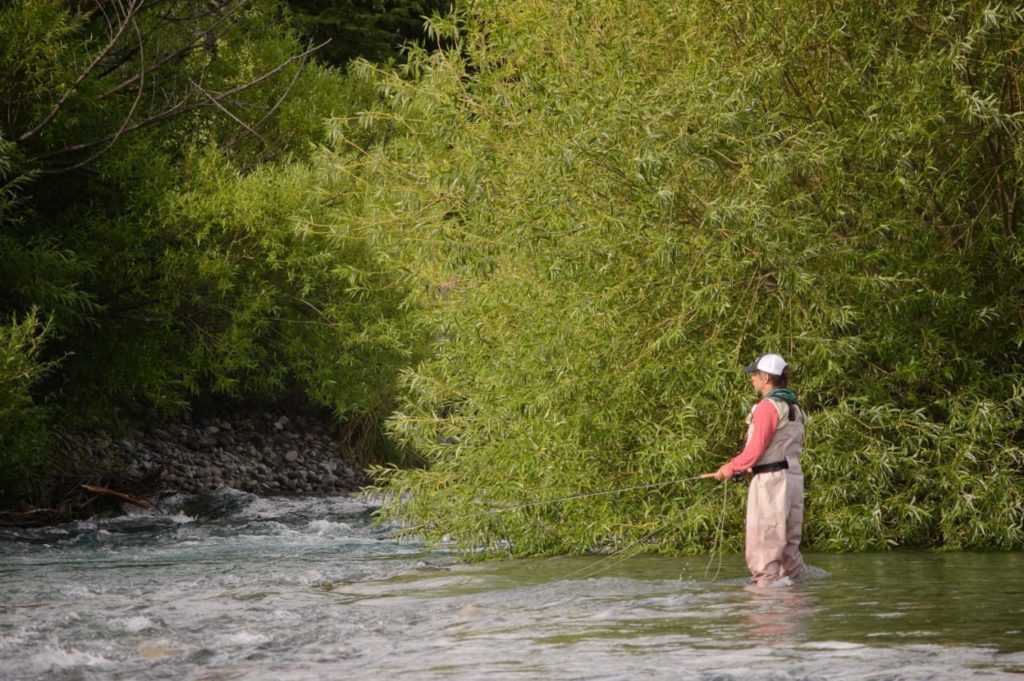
(22, 422)
(376, 30)
(23, 438)
(621, 203)
(596, 212)
(160, 220)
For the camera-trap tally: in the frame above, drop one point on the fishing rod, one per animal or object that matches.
(736, 477)
(583, 495)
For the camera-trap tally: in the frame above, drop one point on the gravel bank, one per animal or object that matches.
(263, 453)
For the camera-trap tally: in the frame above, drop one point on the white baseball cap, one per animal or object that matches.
(768, 363)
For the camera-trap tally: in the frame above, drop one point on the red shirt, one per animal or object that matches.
(762, 428)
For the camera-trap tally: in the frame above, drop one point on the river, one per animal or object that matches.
(232, 586)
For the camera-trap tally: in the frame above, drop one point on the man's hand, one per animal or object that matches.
(723, 472)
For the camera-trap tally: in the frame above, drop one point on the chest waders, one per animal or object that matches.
(775, 501)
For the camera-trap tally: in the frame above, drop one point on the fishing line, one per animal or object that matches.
(570, 497)
(542, 502)
(719, 537)
(598, 566)
(632, 549)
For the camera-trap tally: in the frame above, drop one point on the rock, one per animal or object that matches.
(252, 452)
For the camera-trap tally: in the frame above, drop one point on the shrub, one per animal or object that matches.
(628, 201)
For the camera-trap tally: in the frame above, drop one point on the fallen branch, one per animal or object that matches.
(135, 501)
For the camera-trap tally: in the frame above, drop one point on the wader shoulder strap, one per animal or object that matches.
(790, 404)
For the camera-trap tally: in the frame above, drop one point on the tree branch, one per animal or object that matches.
(130, 12)
(272, 72)
(274, 107)
(124, 124)
(211, 98)
(216, 102)
(195, 42)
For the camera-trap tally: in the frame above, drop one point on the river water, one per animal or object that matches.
(231, 586)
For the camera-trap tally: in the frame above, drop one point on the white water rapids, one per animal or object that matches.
(232, 586)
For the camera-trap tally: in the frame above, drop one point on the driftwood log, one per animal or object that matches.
(127, 498)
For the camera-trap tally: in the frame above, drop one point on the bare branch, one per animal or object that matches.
(130, 12)
(216, 102)
(179, 108)
(195, 42)
(275, 106)
(124, 124)
(211, 98)
(272, 72)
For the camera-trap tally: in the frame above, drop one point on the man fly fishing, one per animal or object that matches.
(771, 456)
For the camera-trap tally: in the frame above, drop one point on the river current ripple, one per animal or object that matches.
(232, 586)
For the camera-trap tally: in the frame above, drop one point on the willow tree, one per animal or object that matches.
(376, 30)
(613, 206)
(22, 420)
(158, 217)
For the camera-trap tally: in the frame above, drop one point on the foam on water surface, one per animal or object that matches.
(236, 586)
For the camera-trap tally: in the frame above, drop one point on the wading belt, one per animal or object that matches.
(769, 467)
(762, 468)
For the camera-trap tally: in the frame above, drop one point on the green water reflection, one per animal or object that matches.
(943, 598)
(877, 600)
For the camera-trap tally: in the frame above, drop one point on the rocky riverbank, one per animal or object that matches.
(260, 452)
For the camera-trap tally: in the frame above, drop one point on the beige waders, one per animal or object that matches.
(775, 514)
(775, 504)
